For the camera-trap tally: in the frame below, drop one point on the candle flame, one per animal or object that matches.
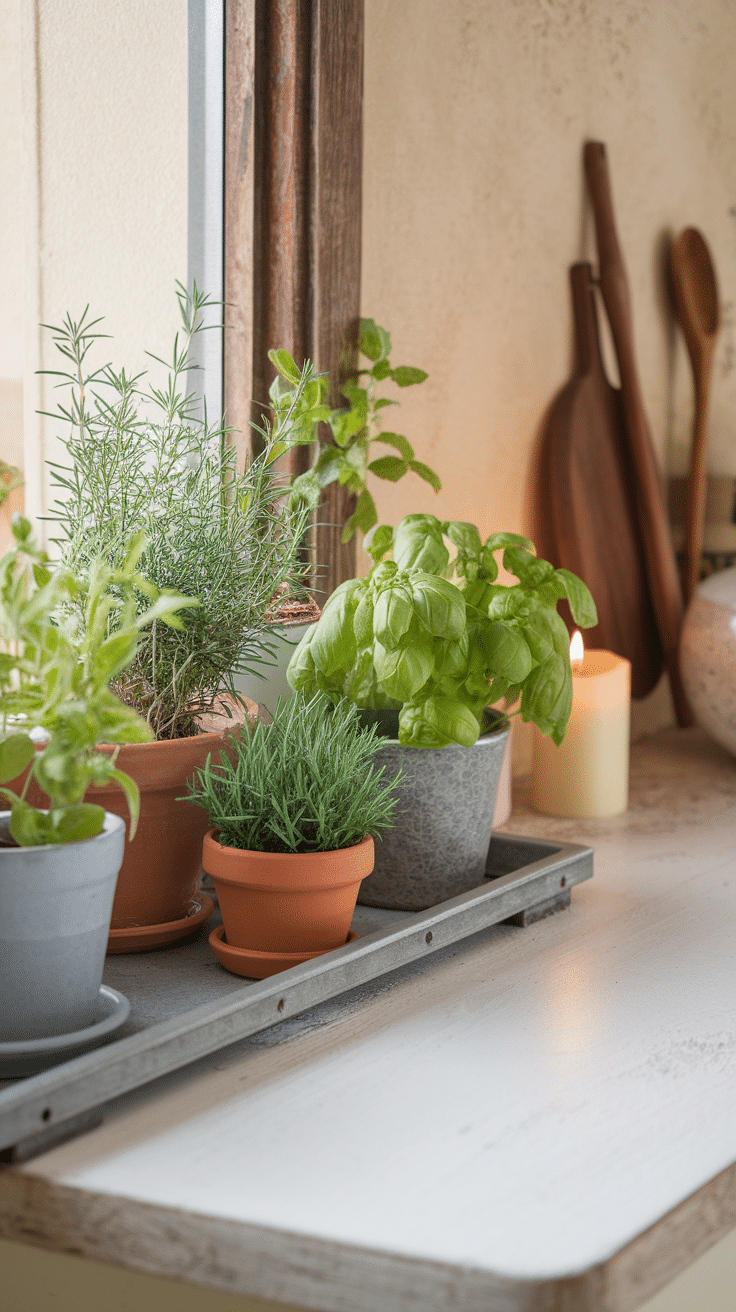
(576, 649)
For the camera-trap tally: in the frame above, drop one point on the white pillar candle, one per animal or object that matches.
(587, 776)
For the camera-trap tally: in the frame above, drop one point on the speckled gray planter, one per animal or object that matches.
(439, 843)
(55, 909)
(708, 656)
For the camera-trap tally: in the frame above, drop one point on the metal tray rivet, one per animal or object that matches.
(563, 882)
(281, 1005)
(428, 937)
(46, 1114)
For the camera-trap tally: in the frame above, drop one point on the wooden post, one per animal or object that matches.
(293, 167)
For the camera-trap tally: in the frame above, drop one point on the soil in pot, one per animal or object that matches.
(438, 844)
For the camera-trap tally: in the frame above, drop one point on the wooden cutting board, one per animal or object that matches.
(659, 555)
(588, 502)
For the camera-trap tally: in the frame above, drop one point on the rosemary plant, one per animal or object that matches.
(306, 782)
(143, 461)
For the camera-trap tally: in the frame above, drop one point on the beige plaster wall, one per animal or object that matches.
(475, 116)
(104, 187)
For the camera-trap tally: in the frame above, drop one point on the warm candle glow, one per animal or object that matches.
(576, 650)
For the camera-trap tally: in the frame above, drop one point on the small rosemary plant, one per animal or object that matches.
(306, 782)
(142, 461)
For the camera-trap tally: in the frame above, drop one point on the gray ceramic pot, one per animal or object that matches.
(55, 909)
(438, 845)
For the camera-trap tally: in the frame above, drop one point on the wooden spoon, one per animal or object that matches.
(696, 299)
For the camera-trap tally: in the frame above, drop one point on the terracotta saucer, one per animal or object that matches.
(145, 938)
(258, 965)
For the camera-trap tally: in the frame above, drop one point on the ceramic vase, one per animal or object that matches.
(438, 844)
(55, 907)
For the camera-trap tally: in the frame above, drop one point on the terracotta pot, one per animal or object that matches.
(287, 902)
(161, 866)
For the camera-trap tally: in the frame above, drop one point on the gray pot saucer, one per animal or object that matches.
(29, 1056)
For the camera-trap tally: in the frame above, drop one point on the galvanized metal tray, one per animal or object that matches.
(184, 1006)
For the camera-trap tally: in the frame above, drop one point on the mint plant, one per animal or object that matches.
(408, 638)
(63, 638)
(306, 782)
(355, 429)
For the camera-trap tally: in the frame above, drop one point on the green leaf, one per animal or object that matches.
(406, 376)
(132, 797)
(438, 605)
(16, 753)
(332, 641)
(29, 827)
(507, 652)
(72, 824)
(390, 467)
(578, 595)
(398, 442)
(437, 722)
(114, 655)
(498, 540)
(383, 402)
(282, 361)
(374, 342)
(419, 544)
(392, 615)
(364, 516)
(381, 370)
(380, 541)
(404, 671)
(424, 471)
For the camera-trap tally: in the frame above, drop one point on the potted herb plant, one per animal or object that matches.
(62, 638)
(426, 656)
(141, 460)
(294, 814)
(356, 427)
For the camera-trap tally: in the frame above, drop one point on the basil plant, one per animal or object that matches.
(407, 637)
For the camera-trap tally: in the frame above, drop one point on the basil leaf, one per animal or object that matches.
(578, 595)
(418, 544)
(404, 671)
(438, 605)
(392, 615)
(507, 651)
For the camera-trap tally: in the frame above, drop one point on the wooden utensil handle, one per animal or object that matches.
(659, 554)
(696, 485)
(587, 340)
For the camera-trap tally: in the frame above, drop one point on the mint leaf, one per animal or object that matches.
(391, 467)
(398, 442)
(374, 342)
(424, 471)
(406, 376)
(364, 516)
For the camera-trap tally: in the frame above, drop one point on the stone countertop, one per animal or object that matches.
(537, 1118)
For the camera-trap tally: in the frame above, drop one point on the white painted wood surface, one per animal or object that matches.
(503, 1127)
